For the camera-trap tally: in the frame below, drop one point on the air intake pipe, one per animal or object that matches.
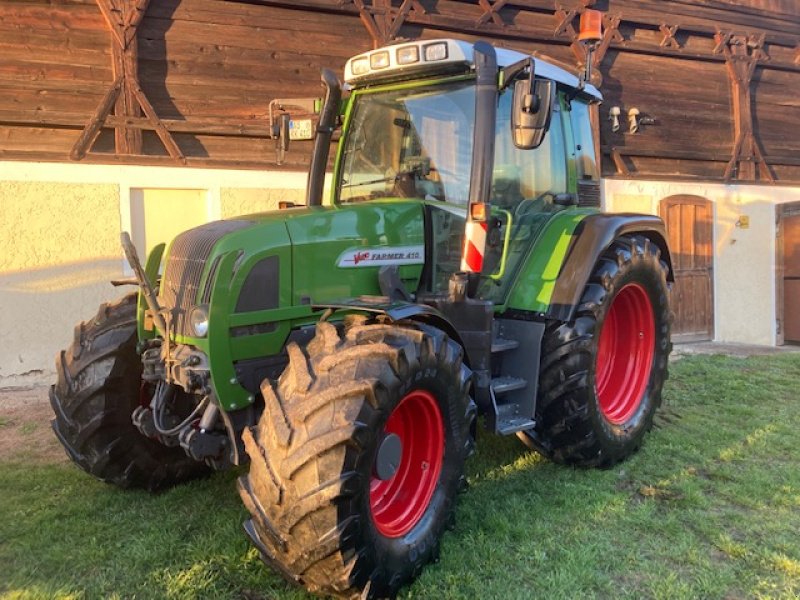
(322, 142)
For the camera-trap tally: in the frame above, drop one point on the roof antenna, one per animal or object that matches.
(591, 32)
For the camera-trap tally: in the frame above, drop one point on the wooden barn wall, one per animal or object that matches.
(210, 67)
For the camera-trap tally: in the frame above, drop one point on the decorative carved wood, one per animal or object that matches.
(611, 34)
(669, 40)
(125, 96)
(491, 11)
(565, 22)
(382, 20)
(742, 55)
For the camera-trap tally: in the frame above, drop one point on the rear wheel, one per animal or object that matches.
(601, 375)
(358, 456)
(99, 386)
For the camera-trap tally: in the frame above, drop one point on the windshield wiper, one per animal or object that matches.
(372, 181)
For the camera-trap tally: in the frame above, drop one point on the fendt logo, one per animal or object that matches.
(378, 257)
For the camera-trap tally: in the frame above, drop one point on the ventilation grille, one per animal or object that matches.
(187, 258)
(589, 193)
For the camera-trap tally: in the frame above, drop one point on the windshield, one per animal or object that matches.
(410, 144)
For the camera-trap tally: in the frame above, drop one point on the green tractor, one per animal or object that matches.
(345, 348)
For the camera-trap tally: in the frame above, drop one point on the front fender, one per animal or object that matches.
(592, 237)
(399, 311)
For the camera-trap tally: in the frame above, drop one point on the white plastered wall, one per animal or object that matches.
(59, 242)
(744, 257)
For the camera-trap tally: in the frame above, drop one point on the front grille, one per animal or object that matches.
(187, 258)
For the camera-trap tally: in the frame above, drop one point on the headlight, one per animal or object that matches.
(198, 319)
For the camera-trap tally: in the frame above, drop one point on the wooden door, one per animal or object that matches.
(789, 230)
(689, 227)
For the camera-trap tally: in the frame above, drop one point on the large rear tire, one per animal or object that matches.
(356, 461)
(601, 375)
(98, 387)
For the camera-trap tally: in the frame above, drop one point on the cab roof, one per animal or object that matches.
(410, 60)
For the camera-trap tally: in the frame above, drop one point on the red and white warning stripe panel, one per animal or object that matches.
(474, 246)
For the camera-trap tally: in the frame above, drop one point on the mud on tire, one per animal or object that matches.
(320, 515)
(98, 387)
(601, 375)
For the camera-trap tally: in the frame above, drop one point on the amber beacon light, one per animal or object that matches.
(591, 26)
(590, 35)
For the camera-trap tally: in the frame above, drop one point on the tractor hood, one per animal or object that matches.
(253, 280)
(293, 257)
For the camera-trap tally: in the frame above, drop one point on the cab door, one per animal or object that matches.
(525, 186)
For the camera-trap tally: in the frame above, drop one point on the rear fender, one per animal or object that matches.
(593, 236)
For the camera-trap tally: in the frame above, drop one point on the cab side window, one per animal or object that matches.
(585, 159)
(527, 174)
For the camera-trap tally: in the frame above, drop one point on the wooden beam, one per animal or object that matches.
(669, 40)
(125, 60)
(619, 162)
(125, 95)
(89, 134)
(491, 11)
(382, 20)
(742, 55)
(160, 129)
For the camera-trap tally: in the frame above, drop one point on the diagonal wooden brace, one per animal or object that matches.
(125, 96)
(89, 133)
(669, 40)
(491, 10)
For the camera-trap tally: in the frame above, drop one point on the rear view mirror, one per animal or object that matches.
(531, 110)
(284, 123)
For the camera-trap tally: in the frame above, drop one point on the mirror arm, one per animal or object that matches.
(510, 73)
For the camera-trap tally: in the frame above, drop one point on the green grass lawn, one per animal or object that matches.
(710, 508)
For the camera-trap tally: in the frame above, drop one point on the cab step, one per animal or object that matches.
(503, 345)
(516, 346)
(503, 385)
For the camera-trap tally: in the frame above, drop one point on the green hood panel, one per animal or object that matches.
(335, 252)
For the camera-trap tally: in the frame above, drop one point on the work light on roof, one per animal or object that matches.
(360, 66)
(436, 51)
(407, 58)
(379, 60)
(408, 55)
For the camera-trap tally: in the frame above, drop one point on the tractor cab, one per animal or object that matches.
(416, 127)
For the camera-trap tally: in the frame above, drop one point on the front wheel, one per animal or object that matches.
(99, 386)
(357, 458)
(601, 375)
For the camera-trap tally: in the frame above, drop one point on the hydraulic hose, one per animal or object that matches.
(159, 404)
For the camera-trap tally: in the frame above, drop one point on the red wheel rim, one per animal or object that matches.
(625, 354)
(399, 502)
